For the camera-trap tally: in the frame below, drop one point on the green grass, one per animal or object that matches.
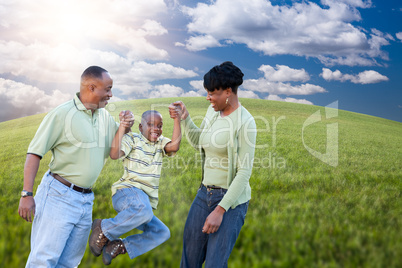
(303, 212)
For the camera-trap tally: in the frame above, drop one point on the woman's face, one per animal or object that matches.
(218, 97)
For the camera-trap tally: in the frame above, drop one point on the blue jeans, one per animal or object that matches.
(61, 225)
(134, 211)
(214, 248)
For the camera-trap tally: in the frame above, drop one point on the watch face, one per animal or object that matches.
(26, 193)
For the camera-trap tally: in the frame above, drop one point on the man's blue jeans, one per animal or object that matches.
(61, 225)
(134, 211)
(214, 248)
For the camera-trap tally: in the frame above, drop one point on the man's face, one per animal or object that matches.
(151, 126)
(102, 90)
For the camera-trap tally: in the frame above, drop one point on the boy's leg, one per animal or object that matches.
(154, 233)
(133, 209)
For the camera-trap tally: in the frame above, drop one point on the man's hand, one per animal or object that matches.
(126, 119)
(214, 220)
(26, 208)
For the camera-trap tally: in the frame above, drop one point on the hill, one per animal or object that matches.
(326, 189)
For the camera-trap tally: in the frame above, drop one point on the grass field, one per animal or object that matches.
(303, 212)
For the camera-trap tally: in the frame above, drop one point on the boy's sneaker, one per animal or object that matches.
(111, 250)
(97, 240)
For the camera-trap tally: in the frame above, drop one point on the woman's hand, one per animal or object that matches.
(178, 104)
(213, 221)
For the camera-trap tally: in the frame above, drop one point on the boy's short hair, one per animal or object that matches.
(148, 113)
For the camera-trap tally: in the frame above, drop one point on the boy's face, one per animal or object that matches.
(151, 126)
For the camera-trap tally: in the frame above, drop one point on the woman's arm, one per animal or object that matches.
(190, 129)
(245, 159)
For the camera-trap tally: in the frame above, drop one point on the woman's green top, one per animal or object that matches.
(240, 130)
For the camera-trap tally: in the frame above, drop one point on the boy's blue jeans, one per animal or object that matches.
(214, 248)
(134, 211)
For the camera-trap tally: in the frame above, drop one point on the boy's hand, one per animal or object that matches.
(175, 111)
(178, 109)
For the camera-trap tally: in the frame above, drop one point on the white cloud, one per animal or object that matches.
(399, 35)
(191, 93)
(283, 73)
(18, 99)
(277, 98)
(136, 77)
(198, 85)
(366, 77)
(165, 91)
(302, 29)
(168, 91)
(120, 24)
(247, 94)
(277, 88)
(201, 43)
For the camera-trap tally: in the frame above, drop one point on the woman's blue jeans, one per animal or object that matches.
(214, 248)
(134, 211)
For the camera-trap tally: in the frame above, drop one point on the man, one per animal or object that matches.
(79, 134)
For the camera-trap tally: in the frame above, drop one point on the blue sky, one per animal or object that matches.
(311, 52)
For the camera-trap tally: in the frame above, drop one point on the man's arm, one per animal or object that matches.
(174, 145)
(26, 207)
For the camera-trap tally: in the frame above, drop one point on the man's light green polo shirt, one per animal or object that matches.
(79, 141)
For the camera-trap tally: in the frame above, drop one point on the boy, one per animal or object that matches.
(136, 193)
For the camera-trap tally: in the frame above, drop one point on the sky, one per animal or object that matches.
(310, 52)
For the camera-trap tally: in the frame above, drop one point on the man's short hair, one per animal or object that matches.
(93, 72)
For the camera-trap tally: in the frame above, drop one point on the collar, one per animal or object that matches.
(78, 102)
(80, 106)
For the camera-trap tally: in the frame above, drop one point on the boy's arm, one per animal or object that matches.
(174, 145)
(115, 151)
(126, 122)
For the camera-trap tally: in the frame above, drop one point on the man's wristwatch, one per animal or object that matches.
(25, 193)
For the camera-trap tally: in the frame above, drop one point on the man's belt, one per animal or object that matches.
(68, 184)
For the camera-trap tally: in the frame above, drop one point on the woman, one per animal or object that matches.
(226, 141)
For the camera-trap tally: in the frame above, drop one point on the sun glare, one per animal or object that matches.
(68, 23)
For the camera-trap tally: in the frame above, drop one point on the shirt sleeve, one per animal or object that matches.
(164, 142)
(193, 132)
(244, 157)
(48, 134)
(127, 144)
